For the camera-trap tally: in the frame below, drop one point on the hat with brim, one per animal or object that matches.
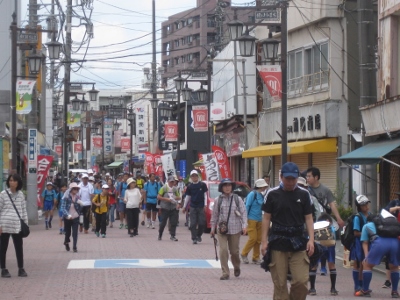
(130, 180)
(260, 183)
(73, 185)
(49, 183)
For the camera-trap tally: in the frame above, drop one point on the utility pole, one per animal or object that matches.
(67, 79)
(154, 67)
(284, 30)
(13, 103)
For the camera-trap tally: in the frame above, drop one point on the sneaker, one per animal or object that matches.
(142, 223)
(49, 224)
(111, 225)
(245, 260)
(194, 242)
(131, 235)
(152, 226)
(395, 294)
(361, 293)
(159, 237)
(22, 273)
(103, 236)
(323, 271)
(312, 292)
(148, 225)
(5, 273)
(121, 225)
(61, 231)
(236, 272)
(75, 250)
(97, 234)
(86, 231)
(334, 292)
(224, 277)
(257, 262)
(67, 247)
(387, 284)
(173, 238)
(199, 239)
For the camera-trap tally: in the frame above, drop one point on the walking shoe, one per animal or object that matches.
(22, 273)
(395, 294)
(173, 238)
(75, 250)
(49, 224)
(86, 231)
(323, 271)
(142, 223)
(159, 237)
(224, 277)
(361, 293)
(194, 242)
(148, 225)
(93, 229)
(103, 236)
(199, 239)
(245, 260)
(257, 262)
(131, 235)
(236, 272)
(312, 292)
(97, 234)
(80, 228)
(186, 224)
(387, 284)
(61, 231)
(5, 273)
(334, 292)
(121, 225)
(67, 247)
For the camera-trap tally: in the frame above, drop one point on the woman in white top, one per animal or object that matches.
(132, 199)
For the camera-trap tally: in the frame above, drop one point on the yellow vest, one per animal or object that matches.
(103, 208)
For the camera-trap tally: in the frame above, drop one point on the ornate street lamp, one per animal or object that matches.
(84, 104)
(34, 63)
(235, 29)
(54, 49)
(76, 103)
(187, 93)
(270, 48)
(179, 83)
(246, 45)
(165, 110)
(154, 103)
(116, 125)
(201, 94)
(93, 94)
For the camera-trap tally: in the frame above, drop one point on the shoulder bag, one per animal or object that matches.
(25, 231)
(223, 225)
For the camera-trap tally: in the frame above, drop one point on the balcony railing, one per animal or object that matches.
(308, 84)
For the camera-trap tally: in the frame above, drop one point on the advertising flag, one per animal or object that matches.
(223, 162)
(211, 166)
(125, 144)
(168, 165)
(97, 142)
(200, 118)
(78, 147)
(43, 167)
(272, 77)
(171, 131)
(24, 96)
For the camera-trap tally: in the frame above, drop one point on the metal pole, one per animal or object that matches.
(210, 128)
(246, 172)
(13, 28)
(178, 146)
(154, 67)
(67, 80)
(284, 29)
(130, 159)
(235, 71)
(102, 141)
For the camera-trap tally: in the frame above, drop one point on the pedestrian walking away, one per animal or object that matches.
(196, 196)
(289, 208)
(132, 199)
(229, 221)
(254, 201)
(170, 200)
(71, 206)
(10, 224)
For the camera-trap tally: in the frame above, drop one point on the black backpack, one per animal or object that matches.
(348, 237)
(387, 227)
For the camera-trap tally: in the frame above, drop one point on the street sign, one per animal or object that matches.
(29, 38)
(32, 151)
(268, 15)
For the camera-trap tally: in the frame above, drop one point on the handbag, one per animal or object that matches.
(223, 225)
(25, 231)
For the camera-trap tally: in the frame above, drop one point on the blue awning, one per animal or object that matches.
(371, 153)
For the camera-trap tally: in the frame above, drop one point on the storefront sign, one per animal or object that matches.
(32, 151)
(272, 77)
(168, 165)
(97, 142)
(217, 111)
(200, 118)
(78, 147)
(58, 149)
(125, 144)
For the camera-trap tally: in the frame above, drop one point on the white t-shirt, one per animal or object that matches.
(84, 193)
(132, 198)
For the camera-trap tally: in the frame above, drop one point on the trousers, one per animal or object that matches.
(18, 245)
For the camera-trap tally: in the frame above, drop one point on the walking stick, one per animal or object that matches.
(215, 247)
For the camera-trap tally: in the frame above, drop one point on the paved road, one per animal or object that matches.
(120, 267)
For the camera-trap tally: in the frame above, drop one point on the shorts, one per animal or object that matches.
(60, 213)
(143, 206)
(330, 254)
(48, 205)
(151, 207)
(121, 207)
(384, 247)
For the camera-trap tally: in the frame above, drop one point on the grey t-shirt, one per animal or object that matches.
(323, 194)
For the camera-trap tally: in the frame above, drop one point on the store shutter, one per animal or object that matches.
(327, 164)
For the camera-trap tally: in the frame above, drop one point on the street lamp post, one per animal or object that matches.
(179, 84)
(131, 118)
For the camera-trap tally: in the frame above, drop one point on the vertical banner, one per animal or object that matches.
(182, 168)
(73, 117)
(171, 131)
(97, 142)
(58, 149)
(117, 138)
(272, 77)
(149, 163)
(211, 166)
(162, 144)
(168, 165)
(202, 169)
(142, 129)
(200, 118)
(24, 96)
(43, 166)
(223, 162)
(32, 151)
(78, 147)
(125, 144)
(108, 126)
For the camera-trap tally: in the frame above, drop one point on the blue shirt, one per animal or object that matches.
(253, 206)
(123, 186)
(364, 233)
(49, 195)
(152, 189)
(356, 222)
(196, 192)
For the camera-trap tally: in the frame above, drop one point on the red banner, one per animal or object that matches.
(272, 77)
(200, 118)
(223, 162)
(149, 163)
(125, 144)
(171, 131)
(44, 164)
(202, 169)
(78, 147)
(97, 142)
(58, 149)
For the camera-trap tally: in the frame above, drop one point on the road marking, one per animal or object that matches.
(145, 263)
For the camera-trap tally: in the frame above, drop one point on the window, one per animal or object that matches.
(190, 39)
(177, 43)
(190, 57)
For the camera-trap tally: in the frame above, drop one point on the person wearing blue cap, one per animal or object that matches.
(288, 207)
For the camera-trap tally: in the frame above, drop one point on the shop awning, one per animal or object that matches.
(314, 146)
(371, 153)
(115, 164)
